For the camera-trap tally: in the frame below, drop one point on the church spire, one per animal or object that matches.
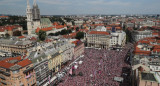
(34, 3)
(28, 3)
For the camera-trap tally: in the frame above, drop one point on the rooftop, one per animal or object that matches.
(99, 32)
(148, 77)
(14, 63)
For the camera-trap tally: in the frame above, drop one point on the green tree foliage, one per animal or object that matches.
(128, 36)
(51, 34)
(12, 20)
(63, 32)
(17, 33)
(68, 19)
(57, 19)
(42, 35)
(80, 35)
(7, 35)
(73, 23)
(77, 28)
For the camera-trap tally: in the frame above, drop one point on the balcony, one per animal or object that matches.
(29, 69)
(4, 73)
(3, 78)
(4, 83)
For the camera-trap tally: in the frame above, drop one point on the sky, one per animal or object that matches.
(69, 7)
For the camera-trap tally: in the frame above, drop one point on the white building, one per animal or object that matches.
(118, 38)
(138, 35)
(148, 23)
(100, 28)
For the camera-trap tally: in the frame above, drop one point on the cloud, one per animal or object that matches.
(114, 2)
(55, 2)
(9, 2)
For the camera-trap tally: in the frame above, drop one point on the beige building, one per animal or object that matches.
(148, 79)
(15, 46)
(17, 72)
(98, 39)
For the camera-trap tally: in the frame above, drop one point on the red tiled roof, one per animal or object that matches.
(2, 29)
(44, 29)
(155, 33)
(109, 28)
(47, 29)
(48, 40)
(99, 32)
(20, 37)
(156, 50)
(33, 38)
(71, 35)
(24, 63)
(59, 26)
(37, 30)
(77, 42)
(6, 64)
(119, 28)
(11, 27)
(83, 30)
(55, 24)
(4, 16)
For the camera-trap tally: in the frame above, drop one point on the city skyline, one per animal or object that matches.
(63, 7)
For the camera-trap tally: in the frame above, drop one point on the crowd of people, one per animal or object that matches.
(99, 68)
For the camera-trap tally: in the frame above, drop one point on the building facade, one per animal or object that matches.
(54, 62)
(15, 46)
(138, 35)
(98, 39)
(78, 49)
(67, 52)
(118, 39)
(17, 72)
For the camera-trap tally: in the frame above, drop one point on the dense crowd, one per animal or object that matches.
(99, 68)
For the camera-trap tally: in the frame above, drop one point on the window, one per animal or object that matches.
(14, 72)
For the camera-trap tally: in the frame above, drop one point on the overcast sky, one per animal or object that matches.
(64, 7)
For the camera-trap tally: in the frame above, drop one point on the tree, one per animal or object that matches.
(73, 23)
(128, 36)
(25, 33)
(77, 28)
(51, 34)
(63, 32)
(69, 31)
(57, 33)
(7, 35)
(42, 35)
(17, 33)
(80, 35)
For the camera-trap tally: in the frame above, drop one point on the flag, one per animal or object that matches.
(49, 79)
(70, 72)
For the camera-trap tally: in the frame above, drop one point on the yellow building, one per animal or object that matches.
(54, 62)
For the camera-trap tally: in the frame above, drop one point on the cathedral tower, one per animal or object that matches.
(29, 18)
(33, 17)
(36, 16)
